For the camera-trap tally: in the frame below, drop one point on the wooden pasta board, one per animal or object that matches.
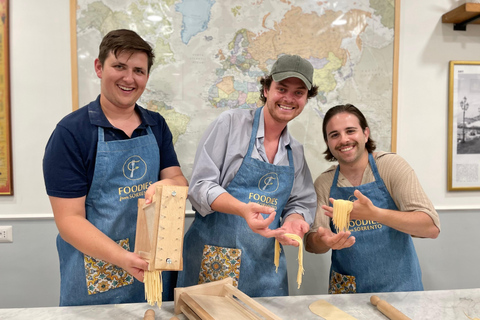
(219, 300)
(160, 226)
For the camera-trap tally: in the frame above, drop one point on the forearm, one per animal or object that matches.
(178, 180)
(86, 238)
(226, 203)
(415, 223)
(172, 176)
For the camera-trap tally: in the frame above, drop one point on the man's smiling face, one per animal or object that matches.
(123, 78)
(285, 99)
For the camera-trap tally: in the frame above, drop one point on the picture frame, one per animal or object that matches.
(6, 173)
(464, 126)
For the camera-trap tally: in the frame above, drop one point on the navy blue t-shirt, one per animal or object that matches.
(69, 160)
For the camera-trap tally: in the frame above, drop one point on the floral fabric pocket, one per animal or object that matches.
(102, 276)
(219, 263)
(340, 283)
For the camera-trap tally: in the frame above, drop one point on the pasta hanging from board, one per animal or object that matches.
(153, 287)
(341, 214)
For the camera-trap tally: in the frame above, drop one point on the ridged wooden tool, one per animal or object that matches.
(387, 309)
(160, 224)
(219, 300)
(159, 237)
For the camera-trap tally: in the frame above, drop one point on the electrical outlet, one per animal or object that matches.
(6, 234)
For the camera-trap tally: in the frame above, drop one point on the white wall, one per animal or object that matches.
(41, 96)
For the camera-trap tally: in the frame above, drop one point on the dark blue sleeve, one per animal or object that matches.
(65, 166)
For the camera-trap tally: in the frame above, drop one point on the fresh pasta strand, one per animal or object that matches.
(300, 256)
(341, 214)
(276, 258)
(153, 287)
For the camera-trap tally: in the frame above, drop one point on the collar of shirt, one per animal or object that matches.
(259, 151)
(98, 118)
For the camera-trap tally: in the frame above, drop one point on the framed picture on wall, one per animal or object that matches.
(464, 126)
(6, 176)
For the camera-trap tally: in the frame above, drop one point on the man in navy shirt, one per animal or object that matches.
(98, 161)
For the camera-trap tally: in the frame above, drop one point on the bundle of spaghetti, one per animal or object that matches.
(341, 214)
(300, 256)
(153, 287)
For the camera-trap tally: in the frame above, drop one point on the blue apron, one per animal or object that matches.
(123, 171)
(382, 259)
(222, 245)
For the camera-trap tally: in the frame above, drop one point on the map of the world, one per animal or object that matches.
(210, 55)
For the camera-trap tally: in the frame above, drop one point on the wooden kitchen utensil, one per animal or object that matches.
(387, 309)
(149, 315)
(328, 311)
(218, 300)
(159, 237)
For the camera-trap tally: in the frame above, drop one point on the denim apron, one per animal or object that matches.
(123, 171)
(382, 259)
(222, 245)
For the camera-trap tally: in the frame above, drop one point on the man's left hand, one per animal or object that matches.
(294, 223)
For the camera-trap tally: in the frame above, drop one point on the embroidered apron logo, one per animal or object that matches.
(363, 225)
(268, 183)
(134, 168)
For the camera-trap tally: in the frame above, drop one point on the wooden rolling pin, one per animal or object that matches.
(387, 309)
(149, 315)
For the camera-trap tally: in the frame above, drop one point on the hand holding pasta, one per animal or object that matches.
(300, 256)
(341, 214)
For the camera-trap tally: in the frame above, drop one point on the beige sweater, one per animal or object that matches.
(399, 178)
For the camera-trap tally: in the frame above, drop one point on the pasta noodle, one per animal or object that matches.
(341, 214)
(153, 287)
(300, 256)
(276, 258)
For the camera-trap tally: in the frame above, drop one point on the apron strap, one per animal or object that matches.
(253, 136)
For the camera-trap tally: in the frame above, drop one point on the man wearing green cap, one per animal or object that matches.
(250, 184)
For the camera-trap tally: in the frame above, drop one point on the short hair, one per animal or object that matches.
(348, 108)
(266, 82)
(123, 40)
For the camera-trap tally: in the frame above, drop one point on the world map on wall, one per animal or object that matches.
(210, 55)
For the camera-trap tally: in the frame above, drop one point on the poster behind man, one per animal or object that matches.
(210, 54)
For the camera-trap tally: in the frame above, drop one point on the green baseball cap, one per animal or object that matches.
(288, 66)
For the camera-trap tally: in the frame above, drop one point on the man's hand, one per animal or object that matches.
(335, 241)
(133, 264)
(252, 214)
(171, 176)
(363, 208)
(151, 189)
(294, 223)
